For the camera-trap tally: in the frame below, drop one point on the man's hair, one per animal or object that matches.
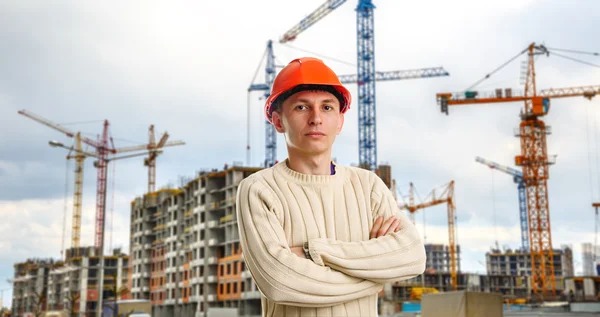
(276, 106)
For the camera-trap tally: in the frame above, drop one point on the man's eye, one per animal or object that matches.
(301, 107)
(328, 108)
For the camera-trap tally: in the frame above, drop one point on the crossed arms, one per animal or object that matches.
(339, 271)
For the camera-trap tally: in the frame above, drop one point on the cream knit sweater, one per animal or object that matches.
(278, 208)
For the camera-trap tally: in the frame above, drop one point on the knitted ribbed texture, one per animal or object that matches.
(278, 208)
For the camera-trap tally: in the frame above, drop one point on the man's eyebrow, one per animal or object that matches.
(330, 100)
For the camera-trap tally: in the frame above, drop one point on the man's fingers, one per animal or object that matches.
(385, 226)
(394, 227)
(376, 226)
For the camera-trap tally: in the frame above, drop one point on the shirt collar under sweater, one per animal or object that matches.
(300, 178)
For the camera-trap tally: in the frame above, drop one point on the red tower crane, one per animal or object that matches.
(533, 158)
(103, 147)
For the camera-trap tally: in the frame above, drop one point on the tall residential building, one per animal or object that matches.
(588, 261)
(73, 283)
(438, 258)
(567, 261)
(30, 284)
(185, 248)
(50, 285)
(518, 262)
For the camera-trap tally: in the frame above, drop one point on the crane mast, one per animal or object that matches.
(518, 179)
(534, 159)
(366, 76)
(436, 197)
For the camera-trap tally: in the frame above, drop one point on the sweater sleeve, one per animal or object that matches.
(280, 275)
(394, 257)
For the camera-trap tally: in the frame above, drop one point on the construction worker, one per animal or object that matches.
(320, 239)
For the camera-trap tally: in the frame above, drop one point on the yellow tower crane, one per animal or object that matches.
(440, 195)
(79, 157)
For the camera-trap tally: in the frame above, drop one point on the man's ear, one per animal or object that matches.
(340, 124)
(277, 122)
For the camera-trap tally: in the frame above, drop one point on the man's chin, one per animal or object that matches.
(313, 149)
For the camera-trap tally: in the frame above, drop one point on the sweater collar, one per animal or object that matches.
(297, 177)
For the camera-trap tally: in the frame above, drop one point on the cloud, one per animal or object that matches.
(186, 66)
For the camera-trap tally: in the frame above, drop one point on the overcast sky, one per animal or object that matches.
(185, 67)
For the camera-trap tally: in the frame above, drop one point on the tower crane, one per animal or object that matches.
(271, 71)
(366, 74)
(79, 157)
(533, 158)
(596, 223)
(441, 195)
(154, 149)
(103, 149)
(518, 179)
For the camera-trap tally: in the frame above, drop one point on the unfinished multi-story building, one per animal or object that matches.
(567, 261)
(30, 284)
(507, 285)
(518, 262)
(185, 248)
(438, 258)
(587, 256)
(73, 283)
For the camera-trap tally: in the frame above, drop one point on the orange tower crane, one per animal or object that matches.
(441, 195)
(533, 158)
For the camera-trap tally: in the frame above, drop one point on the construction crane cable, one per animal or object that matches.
(494, 209)
(418, 196)
(321, 55)
(596, 236)
(259, 64)
(576, 60)
(248, 158)
(572, 51)
(424, 226)
(279, 63)
(112, 207)
(64, 233)
(496, 70)
(424, 223)
(587, 121)
(597, 159)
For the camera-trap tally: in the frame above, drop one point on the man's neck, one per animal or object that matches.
(310, 165)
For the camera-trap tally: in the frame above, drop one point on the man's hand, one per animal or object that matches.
(298, 251)
(380, 228)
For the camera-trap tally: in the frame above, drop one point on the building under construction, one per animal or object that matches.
(30, 283)
(186, 255)
(71, 285)
(518, 262)
(438, 258)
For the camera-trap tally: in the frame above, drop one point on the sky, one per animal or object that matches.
(185, 66)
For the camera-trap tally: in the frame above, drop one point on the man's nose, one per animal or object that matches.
(315, 117)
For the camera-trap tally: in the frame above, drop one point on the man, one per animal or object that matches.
(320, 239)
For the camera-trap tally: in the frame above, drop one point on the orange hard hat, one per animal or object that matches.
(306, 71)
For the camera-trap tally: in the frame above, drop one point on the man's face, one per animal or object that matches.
(310, 121)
